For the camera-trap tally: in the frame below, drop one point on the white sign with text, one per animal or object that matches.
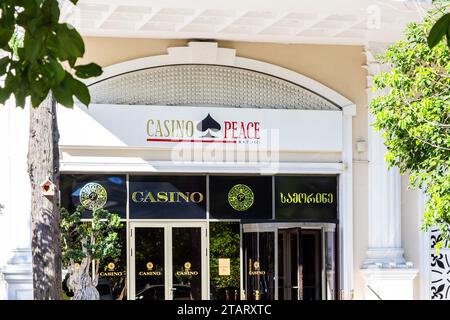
(167, 127)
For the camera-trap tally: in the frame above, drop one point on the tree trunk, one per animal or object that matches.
(43, 163)
(81, 283)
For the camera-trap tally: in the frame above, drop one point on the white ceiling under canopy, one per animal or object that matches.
(279, 21)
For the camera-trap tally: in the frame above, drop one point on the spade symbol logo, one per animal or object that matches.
(208, 126)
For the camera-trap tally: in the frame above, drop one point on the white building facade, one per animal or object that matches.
(260, 137)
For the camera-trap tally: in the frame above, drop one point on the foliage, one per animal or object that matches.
(225, 243)
(413, 114)
(96, 240)
(441, 27)
(41, 54)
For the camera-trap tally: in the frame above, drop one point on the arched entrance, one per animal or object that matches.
(237, 94)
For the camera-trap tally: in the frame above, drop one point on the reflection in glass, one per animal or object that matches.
(149, 262)
(186, 251)
(311, 263)
(224, 260)
(288, 264)
(300, 264)
(259, 263)
(112, 275)
(330, 267)
(281, 264)
(294, 272)
(114, 185)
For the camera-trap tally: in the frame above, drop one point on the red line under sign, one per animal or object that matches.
(190, 140)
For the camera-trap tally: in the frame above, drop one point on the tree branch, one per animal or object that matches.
(431, 144)
(436, 124)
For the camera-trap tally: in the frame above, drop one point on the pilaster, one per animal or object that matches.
(386, 272)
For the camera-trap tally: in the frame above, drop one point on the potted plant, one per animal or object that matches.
(84, 245)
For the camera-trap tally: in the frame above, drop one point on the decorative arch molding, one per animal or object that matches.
(205, 59)
(203, 74)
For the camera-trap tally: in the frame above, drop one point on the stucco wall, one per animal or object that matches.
(338, 67)
(15, 190)
(411, 234)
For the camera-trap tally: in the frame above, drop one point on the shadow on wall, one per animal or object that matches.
(3, 288)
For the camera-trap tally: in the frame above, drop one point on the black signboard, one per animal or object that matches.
(311, 198)
(167, 197)
(243, 197)
(94, 191)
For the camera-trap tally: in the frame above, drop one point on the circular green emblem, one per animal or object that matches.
(240, 197)
(93, 196)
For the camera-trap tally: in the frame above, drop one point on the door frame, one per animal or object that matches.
(274, 227)
(168, 257)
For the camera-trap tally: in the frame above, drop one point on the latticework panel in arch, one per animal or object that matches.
(206, 85)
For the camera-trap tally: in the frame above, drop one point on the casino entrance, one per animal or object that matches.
(168, 261)
(261, 165)
(280, 261)
(289, 261)
(218, 237)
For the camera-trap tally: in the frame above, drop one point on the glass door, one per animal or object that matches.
(149, 259)
(259, 266)
(310, 264)
(289, 270)
(168, 261)
(300, 264)
(296, 259)
(186, 263)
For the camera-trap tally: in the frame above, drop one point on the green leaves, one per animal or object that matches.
(57, 72)
(5, 93)
(70, 87)
(50, 10)
(440, 29)
(43, 54)
(32, 47)
(63, 92)
(4, 64)
(224, 242)
(80, 90)
(413, 114)
(69, 41)
(6, 23)
(6, 33)
(95, 240)
(88, 71)
(65, 43)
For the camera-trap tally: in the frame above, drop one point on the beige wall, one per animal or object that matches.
(338, 67)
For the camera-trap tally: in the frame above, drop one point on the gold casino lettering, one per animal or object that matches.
(150, 273)
(256, 273)
(112, 274)
(301, 197)
(167, 197)
(187, 273)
